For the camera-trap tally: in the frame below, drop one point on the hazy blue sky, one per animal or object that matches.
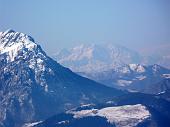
(57, 24)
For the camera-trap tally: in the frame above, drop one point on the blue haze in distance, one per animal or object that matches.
(57, 24)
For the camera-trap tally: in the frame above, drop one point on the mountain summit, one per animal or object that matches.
(13, 42)
(33, 86)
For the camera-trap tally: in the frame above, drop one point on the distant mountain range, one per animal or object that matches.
(98, 57)
(115, 66)
(134, 77)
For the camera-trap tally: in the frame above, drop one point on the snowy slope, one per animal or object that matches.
(31, 124)
(121, 116)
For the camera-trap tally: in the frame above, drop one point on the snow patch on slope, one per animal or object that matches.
(121, 116)
(141, 77)
(124, 82)
(166, 76)
(32, 124)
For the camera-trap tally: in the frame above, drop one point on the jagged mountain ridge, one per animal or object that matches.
(33, 86)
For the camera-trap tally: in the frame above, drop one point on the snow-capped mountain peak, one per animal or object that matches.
(20, 47)
(12, 42)
(96, 57)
